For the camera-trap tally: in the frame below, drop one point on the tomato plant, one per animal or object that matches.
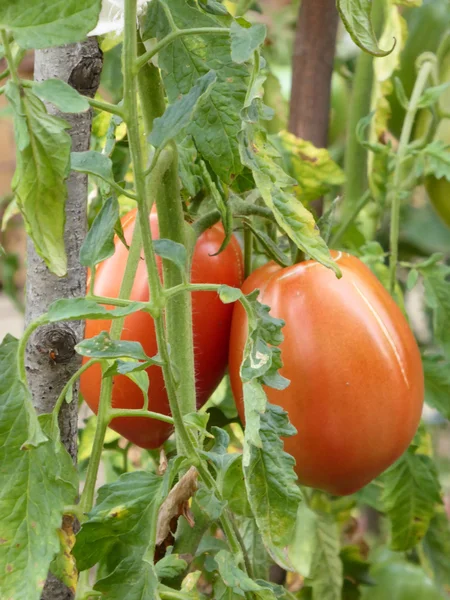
(211, 326)
(354, 369)
(133, 465)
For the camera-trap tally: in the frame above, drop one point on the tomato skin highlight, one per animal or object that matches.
(357, 388)
(211, 326)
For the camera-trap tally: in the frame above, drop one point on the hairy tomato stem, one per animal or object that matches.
(394, 194)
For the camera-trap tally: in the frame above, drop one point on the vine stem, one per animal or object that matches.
(70, 383)
(87, 496)
(106, 106)
(355, 155)
(419, 86)
(9, 57)
(94, 103)
(156, 291)
(168, 39)
(348, 220)
(166, 195)
(130, 412)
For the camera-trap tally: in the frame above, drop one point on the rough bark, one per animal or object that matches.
(312, 67)
(51, 358)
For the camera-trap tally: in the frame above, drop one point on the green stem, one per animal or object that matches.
(205, 222)
(87, 497)
(248, 251)
(408, 123)
(253, 77)
(121, 190)
(4, 74)
(349, 219)
(174, 35)
(121, 302)
(178, 311)
(70, 383)
(130, 412)
(150, 88)
(98, 104)
(156, 292)
(134, 256)
(106, 106)
(243, 209)
(9, 57)
(192, 287)
(355, 154)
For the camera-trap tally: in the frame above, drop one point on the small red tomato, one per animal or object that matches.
(357, 388)
(211, 326)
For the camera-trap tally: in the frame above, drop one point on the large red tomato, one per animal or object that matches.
(357, 387)
(211, 325)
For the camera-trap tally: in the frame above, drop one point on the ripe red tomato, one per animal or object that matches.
(211, 325)
(357, 387)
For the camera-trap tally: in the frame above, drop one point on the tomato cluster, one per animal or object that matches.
(211, 326)
(356, 390)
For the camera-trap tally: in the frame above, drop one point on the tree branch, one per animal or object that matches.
(51, 358)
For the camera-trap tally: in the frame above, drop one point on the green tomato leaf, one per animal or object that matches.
(356, 16)
(257, 553)
(292, 217)
(209, 503)
(437, 159)
(133, 370)
(437, 383)
(133, 579)
(125, 512)
(432, 94)
(74, 309)
(313, 169)
(315, 553)
(229, 294)
(245, 40)
(39, 181)
(171, 250)
(61, 95)
(179, 114)
(216, 122)
(220, 200)
(234, 578)
(99, 242)
(170, 566)
(233, 487)
(44, 23)
(437, 297)
(102, 346)
(188, 167)
(272, 490)
(397, 579)
(272, 250)
(93, 163)
(410, 496)
(436, 545)
(36, 483)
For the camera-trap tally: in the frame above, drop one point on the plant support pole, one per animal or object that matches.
(80, 66)
(312, 67)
